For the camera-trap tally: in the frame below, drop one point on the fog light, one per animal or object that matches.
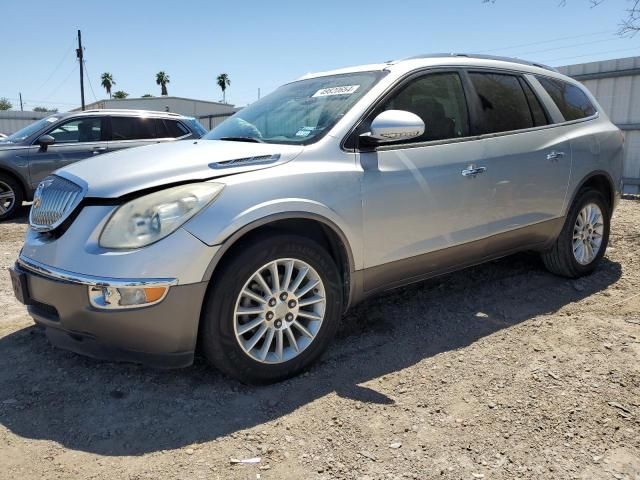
(125, 297)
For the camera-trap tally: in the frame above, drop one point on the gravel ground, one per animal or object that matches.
(499, 371)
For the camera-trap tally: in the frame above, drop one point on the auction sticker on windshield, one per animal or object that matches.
(344, 90)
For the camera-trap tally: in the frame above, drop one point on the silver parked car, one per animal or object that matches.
(32, 153)
(253, 241)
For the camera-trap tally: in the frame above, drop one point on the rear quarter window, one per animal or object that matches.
(171, 129)
(572, 102)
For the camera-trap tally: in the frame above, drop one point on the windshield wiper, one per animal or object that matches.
(242, 139)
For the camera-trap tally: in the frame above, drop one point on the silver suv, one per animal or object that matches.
(253, 241)
(30, 154)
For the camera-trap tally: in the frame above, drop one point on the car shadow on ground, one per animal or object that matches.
(119, 409)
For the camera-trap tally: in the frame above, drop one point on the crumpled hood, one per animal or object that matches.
(126, 171)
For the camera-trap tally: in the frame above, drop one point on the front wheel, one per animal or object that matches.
(583, 239)
(11, 197)
(272, 309)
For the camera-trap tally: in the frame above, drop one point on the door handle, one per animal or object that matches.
(99, 150)
(472, 171)
(555, 155)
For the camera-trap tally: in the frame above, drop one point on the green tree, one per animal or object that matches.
(45, 110)
(147, 95)
(107, 82)
(5, 104)
(119, 95)
(162, 79)
(223, 82)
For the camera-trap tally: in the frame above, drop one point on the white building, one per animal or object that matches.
(12, 121)
(210, 114)
(616, 85)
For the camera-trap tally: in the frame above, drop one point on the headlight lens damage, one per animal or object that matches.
(148, 219)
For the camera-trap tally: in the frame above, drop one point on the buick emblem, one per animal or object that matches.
(37, 200)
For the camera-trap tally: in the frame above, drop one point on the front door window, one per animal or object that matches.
(79, 130)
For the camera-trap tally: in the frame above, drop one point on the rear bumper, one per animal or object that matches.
(161, 335)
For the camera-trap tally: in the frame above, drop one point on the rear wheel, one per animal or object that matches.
(11, 197)
(583, 239)
(272, 309)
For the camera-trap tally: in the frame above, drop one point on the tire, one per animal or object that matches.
(560, 259)
(221, 326)
(9, 207)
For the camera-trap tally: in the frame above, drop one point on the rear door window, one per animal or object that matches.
(502, 102)
(132, 128)
(572, 102)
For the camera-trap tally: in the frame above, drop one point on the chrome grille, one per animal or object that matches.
(53, 202)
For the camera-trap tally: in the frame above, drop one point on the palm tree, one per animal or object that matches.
(107, 82)
(223, 82)
(162, 79)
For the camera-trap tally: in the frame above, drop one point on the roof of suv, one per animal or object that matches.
(122, 111)
(437, 59)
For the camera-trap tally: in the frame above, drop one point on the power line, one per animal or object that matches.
(571, 46)
(28, 101)
(75, 66)
(64, 57)
(89, 78)
(593, 54)
(553, 40)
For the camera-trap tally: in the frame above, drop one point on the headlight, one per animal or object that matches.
(148, 219)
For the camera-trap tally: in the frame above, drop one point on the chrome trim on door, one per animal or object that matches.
(555, 155)
(472, 171)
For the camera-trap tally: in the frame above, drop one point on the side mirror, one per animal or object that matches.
(393, 125)
(45, 140)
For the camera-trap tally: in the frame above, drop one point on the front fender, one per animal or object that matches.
(16, 164)
(220, 232)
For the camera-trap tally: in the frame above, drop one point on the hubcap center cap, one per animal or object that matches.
(281, 309)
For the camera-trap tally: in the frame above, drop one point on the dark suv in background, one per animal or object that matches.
(29, 155)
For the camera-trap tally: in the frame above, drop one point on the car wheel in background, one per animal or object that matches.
(11, 197)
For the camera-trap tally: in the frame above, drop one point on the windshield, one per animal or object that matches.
(29, 130)
(195, 125)
(299, 112)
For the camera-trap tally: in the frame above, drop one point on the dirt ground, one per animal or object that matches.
(499, 371)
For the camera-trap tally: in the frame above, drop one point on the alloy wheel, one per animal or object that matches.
(279, 310)
(587, 234)
(7, 198)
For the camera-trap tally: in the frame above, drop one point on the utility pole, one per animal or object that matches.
(258, 93)
(80, 56)
(20, 95)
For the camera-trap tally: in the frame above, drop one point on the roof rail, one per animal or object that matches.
(130, 110)
(484, 57)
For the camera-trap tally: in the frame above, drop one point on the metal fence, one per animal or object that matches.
(212, 121)
(11, 122)
(616, 85)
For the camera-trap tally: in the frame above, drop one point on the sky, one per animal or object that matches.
(262, 44)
